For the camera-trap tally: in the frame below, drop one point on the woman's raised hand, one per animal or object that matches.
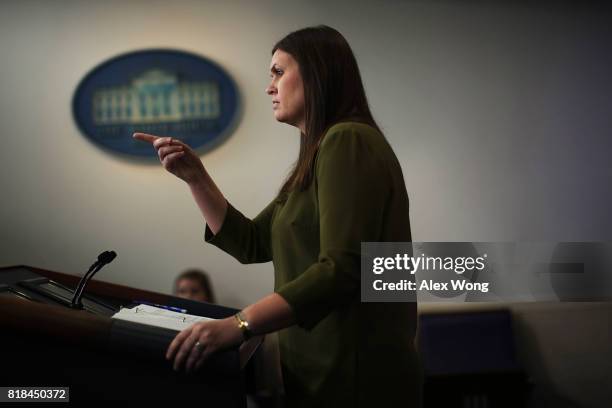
(176, 157)
(180, 160)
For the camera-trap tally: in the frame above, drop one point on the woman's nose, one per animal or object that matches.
(270, 90)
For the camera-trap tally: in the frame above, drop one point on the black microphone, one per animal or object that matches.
(104, 258)
(107, 257)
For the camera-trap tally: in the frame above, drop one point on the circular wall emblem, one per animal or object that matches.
(162, 92)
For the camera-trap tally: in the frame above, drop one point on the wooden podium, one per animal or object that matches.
(46, 344)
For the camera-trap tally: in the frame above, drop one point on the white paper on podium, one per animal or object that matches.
(158, 317)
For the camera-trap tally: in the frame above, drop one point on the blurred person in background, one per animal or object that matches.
(194, 284)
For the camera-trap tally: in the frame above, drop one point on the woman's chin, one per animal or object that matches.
(283, 119)
(279, 117)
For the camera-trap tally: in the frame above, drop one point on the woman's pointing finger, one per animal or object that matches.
(145, 137)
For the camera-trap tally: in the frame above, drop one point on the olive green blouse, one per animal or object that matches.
(341, 352)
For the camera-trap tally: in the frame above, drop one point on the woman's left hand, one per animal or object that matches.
(192, 346)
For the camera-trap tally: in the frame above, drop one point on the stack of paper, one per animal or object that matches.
(158, 317)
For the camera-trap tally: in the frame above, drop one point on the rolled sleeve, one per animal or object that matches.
(246, 240)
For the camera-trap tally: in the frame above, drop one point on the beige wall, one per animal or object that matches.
(495, 142)
(497, 114)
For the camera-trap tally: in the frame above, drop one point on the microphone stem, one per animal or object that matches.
(78, 293)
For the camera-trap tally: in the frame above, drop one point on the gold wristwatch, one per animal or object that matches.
(243, 325)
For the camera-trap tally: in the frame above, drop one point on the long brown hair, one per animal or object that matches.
(333, 92)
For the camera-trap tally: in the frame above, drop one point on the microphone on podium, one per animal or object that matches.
(104, 258)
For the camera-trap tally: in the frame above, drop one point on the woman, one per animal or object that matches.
(346, 187)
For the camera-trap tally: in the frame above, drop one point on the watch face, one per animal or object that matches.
(243, 325)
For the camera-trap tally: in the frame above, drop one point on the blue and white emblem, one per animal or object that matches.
(162, 92)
